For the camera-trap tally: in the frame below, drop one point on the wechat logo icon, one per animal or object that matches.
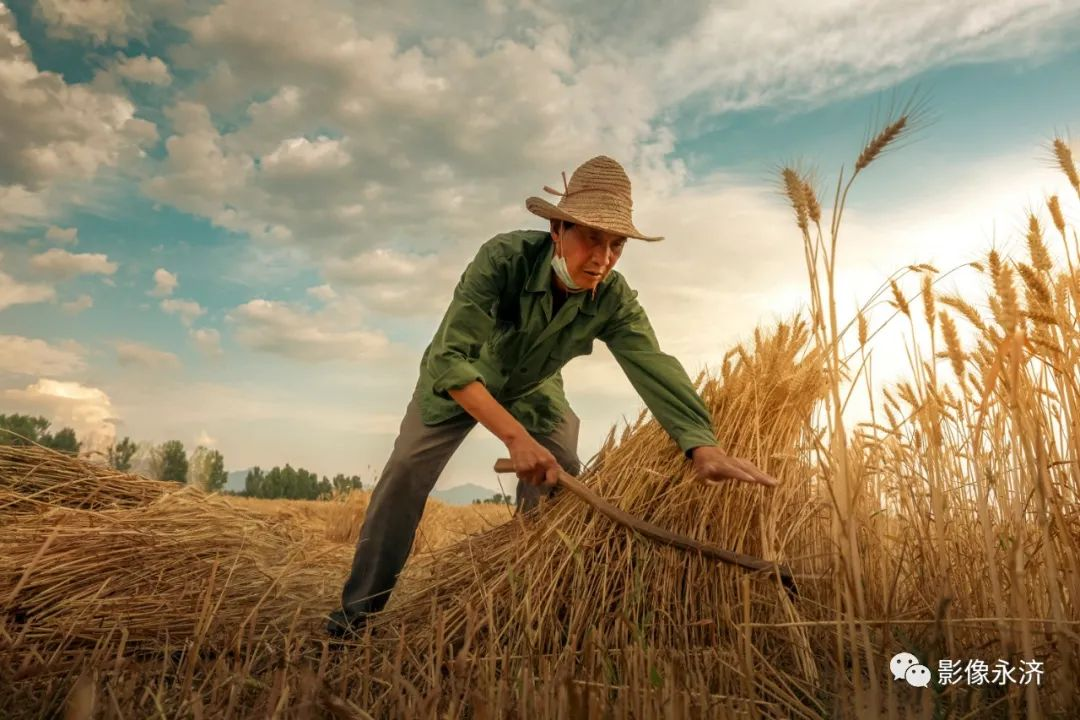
(907, 667)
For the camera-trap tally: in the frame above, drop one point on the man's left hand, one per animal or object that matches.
(713, 466)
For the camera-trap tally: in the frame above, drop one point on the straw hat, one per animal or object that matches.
(598, 195)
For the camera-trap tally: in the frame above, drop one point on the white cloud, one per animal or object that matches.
(164, 283)
(87, 410)
(58, 264)
(293, 332)
(53, 131)
(322, 292)
(829, 50)
(393, 282)
(208, 340)
(380, 265)
(188, 310)
(19, 206)
(32, 356)
(204, 439)
(200, 172)
(99, 19)
(436, 143)
(110, 21)
(134, 354)
(13, 292)
(427, 142)
(300, 158)
(78, 305)
(62, 236)
(417, 299)
(55, 135)
(143, 69)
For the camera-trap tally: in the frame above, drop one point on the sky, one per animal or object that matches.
(238, 224)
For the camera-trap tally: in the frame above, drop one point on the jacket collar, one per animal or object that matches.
(540, 280)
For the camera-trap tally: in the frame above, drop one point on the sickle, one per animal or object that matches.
(661, 535)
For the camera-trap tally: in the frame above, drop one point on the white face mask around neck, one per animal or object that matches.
(558, 263)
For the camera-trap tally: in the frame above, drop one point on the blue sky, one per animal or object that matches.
(240, 228)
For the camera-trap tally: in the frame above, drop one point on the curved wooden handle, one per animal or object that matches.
(659, 534)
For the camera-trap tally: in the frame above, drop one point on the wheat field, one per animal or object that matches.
(946, 525)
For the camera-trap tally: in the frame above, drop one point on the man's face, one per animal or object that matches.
(590, 254)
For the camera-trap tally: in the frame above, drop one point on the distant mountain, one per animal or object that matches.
(463, 494)
(236, 480)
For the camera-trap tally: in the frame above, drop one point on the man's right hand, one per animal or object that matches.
(533, 463)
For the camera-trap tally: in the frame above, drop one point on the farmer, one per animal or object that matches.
(528, 302)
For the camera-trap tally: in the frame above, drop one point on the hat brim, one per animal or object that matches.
(541, 207)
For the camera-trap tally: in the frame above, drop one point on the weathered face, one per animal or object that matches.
(590, 254)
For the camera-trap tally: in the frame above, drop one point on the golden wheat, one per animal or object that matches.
(953, 346)
(898, 298)
(882, 140)
(813, 207)
(1063, 155)
(1055, 213)
(928, 299)
(1004, 300)
(1040, 258)
(796, 192)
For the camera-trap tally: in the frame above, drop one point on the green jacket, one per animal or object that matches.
(499, 330)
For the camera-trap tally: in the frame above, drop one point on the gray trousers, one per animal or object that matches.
(420, 453)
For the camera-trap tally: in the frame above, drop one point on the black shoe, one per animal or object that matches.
(345, 626)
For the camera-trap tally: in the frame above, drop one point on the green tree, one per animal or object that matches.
(64, 441)
(285, 482)
(345, 484)
(18, 429)
(27, 430)
(120, 454)
(253, 483)
(273, 483)
(174, 463)
(216, 476)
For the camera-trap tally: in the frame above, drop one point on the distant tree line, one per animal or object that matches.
(497, 498)
(170, 461)
(296, 484)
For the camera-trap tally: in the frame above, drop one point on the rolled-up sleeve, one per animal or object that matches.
(466, 325)
(659, 378)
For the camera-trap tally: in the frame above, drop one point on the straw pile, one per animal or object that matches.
(87, 553)
(34, 479)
